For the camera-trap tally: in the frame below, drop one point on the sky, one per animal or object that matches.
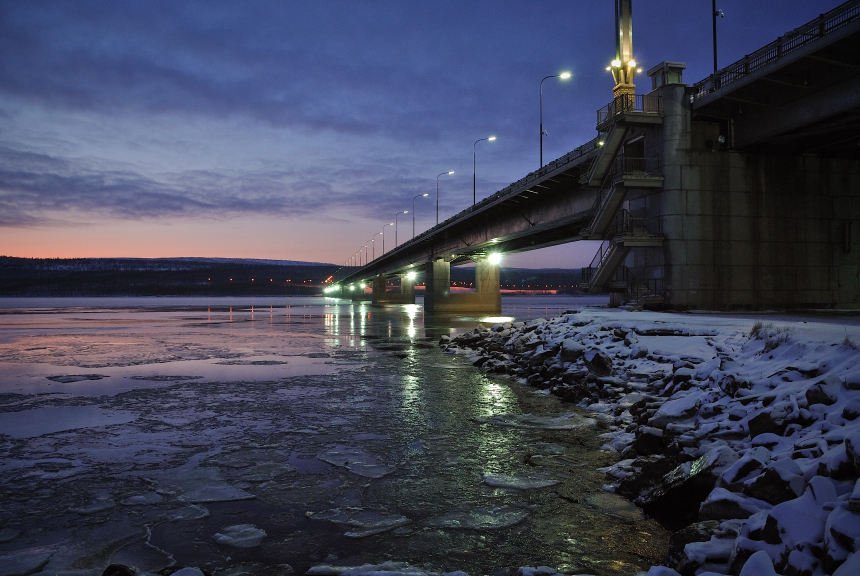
(294, 130)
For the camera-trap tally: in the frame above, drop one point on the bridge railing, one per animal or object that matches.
(642, 103)
(785, 44)
(577, 152)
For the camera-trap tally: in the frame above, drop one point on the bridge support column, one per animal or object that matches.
(438, 297)
(381, 297)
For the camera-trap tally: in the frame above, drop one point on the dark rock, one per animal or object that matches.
(542, 355)
(574, 375)
(764, 423)
(571, 350)
(649, 471)
(851, 410)
(698, 532)
(823, 392)
(722, 504)
(676, 500)
(683, 374)
(852, 451)
(598, 362)
(649, 441)
(775, 486)
(801, 563)
(119, 570)
(837, 463)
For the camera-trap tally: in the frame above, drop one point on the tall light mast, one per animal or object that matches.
(623, 68)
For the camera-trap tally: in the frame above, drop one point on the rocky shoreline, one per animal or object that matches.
(742, 437)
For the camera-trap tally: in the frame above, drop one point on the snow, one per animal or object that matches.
(771, 407)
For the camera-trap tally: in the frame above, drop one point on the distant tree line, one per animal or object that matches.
(47, 277)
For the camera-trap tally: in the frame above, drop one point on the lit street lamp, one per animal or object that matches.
(395, 225)
(383, 235)
(437, 194)
(413, 210)
(474, 164)
(563, 76)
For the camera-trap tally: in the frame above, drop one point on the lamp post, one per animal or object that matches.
(437, 194)
(563, 76)
(474, 165)
(383, 235)
(395, 225)
(413, 209)
(714, 14)
(374, 245)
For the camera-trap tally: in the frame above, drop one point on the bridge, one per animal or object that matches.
(741, 191)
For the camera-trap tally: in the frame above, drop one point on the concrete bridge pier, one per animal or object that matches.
(406, 295)
(487, 298)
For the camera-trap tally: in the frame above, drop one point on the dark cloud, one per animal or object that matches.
(427, 78)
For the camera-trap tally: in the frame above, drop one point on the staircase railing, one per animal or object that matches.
(643, 103)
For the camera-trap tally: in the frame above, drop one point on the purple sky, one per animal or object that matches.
(295, 130)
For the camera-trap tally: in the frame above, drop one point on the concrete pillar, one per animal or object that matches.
(681, 276)
(379, 284)
(438, 297)
(437, 282)
(488, 286)
(407, 287)
(381, 297)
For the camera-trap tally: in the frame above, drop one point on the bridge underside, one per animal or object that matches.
(802, 102)
(740, 192)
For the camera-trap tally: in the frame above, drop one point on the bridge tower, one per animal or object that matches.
(623, 67)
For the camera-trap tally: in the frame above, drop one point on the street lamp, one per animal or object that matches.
(374, 245)
(714, 14)
(413, 210)
(563, 76)
(474, 164)
(437, 194)
(395, 225)
(383, 235)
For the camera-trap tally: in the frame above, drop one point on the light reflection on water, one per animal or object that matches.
(368, 378)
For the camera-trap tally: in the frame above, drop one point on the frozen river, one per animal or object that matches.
(241, 435)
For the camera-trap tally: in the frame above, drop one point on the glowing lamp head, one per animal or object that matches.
(632, 63)
(411, 275)
(494, 258)
(362, 285)
(451, 172)
(616, 63)
(491, 138)
(426, 194)
(564, 75)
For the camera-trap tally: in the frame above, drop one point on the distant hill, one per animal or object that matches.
(159, 276)
(212, 277)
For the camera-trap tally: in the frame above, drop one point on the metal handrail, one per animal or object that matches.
(785, 44)
(577, 152)
(631, 165)
(643, 103)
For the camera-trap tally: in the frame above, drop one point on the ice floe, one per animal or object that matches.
(363, 523)
(240, 536)
(481, 518)
(521, 482)
(355, 460)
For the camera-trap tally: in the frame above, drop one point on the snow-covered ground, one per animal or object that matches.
(739, 432)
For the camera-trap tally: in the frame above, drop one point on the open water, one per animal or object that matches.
(242, 435)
